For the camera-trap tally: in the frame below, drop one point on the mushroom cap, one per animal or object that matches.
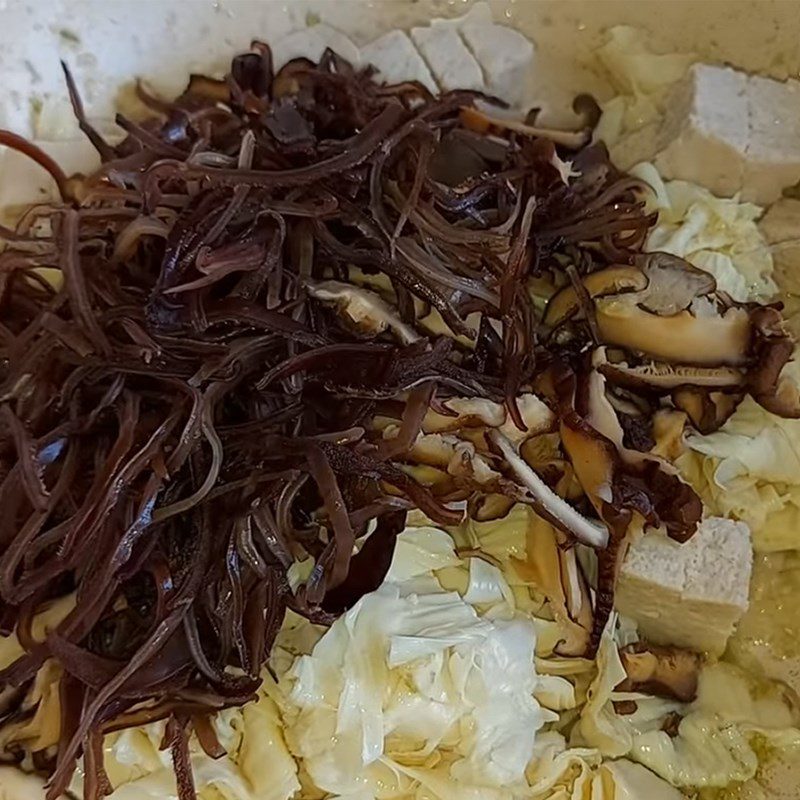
(672, 283)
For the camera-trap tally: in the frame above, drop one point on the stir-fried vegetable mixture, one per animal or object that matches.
(289, 307)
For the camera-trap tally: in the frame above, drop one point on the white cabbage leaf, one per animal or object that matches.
(502, 539)
(632, 781)
(487, 585)
(418, 679)
(721, 737)
(258, 764)
(750, 470)
(705, 753)
(420, 552)
(715, 234)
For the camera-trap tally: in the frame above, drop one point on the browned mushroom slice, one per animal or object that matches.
(772, 350)
(713, 339)
(662, 671)
(672, 283)
(565, 304)
(674, 317)
(669, 499)
(664, 378)
(477, 412)
(783, 401)
(708, 411)
(367, 312)
(484, 508)
(593, 459)
(668, 429)
(627, 488)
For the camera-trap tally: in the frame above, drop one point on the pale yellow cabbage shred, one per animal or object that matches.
(444, 685)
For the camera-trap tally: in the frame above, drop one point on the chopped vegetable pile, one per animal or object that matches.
(289, 307)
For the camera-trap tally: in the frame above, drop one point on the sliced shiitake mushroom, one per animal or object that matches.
(682, 338)
(708, 411)
(478, 121)
(627, 488)
(660, 283)
(366, 311)
(565, 304)
(662, 671)
(652, 308)
(672, 283)
(664, 378)
(668, 427)
(773, 348)
(477, 412)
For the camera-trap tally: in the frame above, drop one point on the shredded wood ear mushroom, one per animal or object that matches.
(199, 339)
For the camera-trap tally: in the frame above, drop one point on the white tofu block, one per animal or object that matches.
(311, 43)
(773, 152)
(691, 595)
(725, 130)
(397, 60)
(704, 134)
(450, 61)
(504, 54)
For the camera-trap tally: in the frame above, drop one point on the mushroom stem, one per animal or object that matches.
(555, 509)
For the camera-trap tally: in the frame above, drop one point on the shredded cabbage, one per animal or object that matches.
(432, 692)
(401, 674)
(750, 470)
(258, 765)
(715, 234)
(714, 746)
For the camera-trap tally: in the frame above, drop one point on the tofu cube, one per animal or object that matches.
(504, 54)
(397, 60)
(691, 595)
(773, 152)
(725, 130)
(452, 64)
(703, 136)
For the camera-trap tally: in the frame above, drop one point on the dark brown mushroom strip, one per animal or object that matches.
(188, 410)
